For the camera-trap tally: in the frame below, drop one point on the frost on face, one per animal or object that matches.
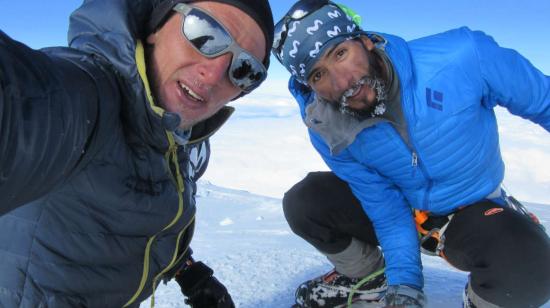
(379, 108)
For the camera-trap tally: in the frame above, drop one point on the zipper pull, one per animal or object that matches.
(414, 159)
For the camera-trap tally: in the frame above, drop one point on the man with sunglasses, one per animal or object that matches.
(403, 126)
(101, 145)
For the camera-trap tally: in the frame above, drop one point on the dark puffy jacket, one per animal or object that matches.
(96, 199)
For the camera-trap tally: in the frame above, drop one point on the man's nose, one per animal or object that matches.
(341, 80)
(214, 70)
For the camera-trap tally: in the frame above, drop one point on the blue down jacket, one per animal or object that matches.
(97, 201)
(450, 83)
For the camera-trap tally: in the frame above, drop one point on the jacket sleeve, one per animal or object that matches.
(387, 209)
(511, 81)
(48, 109)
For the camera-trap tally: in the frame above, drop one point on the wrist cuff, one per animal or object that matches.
(192, 276)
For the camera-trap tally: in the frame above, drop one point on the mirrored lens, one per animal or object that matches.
(246, 72)
(304, 7)
(205, 33)
(280, 34)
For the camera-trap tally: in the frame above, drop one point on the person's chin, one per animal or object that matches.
(186, 126)
(361, 100)
(192, 117)
(360, 105)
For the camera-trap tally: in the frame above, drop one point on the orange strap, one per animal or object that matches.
(420, 217)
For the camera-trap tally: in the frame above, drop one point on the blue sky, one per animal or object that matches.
(521, 25)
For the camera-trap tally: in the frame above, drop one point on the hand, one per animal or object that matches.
(403, 296)
(201, 288)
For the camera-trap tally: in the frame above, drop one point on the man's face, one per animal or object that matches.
(348, 73)
(186, 82)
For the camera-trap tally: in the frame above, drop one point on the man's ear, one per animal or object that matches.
(367, 42)
(152, 38)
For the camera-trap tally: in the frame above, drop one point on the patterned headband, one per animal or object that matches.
(309, 37)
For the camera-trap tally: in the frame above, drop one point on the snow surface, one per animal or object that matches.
(260, 153)
(261, 262)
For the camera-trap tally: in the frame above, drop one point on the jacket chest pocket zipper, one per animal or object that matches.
(414, 163)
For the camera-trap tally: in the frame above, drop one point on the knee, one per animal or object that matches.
(536, 270)
(305, 199)
(524, 269)
(298, 199)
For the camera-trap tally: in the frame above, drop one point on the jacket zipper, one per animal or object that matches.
(415, 165)
(171, 157)
(416, 162)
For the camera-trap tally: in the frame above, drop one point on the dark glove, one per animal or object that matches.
(404, 296)
(201, 288)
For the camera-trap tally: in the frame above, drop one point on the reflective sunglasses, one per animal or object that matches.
(211, 39)
(298, 11)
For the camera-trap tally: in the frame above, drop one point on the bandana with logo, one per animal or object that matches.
(309, 37)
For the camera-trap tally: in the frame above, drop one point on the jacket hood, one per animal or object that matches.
(111, 29)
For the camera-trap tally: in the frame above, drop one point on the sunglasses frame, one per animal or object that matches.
(280, 39)
(234, 48)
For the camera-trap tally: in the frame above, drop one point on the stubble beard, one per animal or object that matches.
(376, 83)
(153, 76)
